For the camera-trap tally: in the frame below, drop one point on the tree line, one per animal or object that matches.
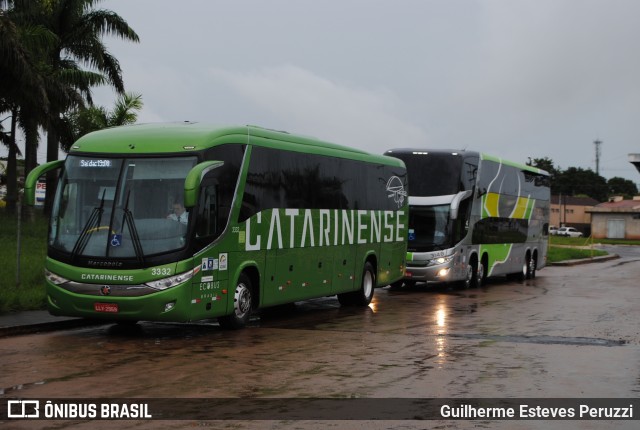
(576, 181)
(51, 56)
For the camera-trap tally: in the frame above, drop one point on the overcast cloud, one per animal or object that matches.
(513, 78)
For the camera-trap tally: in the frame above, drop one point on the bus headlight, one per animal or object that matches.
(440, 260)
(172, 281)
(54, 279)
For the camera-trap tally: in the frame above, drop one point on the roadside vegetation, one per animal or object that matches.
(573, 248)
(556, 254)
(30, 293)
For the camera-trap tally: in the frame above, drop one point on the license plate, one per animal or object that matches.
(106, 307)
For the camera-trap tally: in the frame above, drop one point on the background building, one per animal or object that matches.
(616, 219)
(568, 211)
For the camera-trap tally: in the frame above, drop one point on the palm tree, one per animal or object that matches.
(79, 28)
(93, 118)
(22, 82)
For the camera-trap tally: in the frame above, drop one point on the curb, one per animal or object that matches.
(600, 259)
(43, 327)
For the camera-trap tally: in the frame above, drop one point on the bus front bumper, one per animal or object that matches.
(170, 305)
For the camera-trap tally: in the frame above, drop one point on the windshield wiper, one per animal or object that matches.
(91, 225)
(135, 238)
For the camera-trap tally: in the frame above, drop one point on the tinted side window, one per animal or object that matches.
(286, 179)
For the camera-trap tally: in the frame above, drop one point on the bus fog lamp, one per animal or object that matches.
(169, 306)
(443, 272)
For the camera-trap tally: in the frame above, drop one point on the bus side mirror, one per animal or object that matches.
(455, 203)
(32, 179)
(194, 179)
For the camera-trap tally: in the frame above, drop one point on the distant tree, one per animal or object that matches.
(545, 163)
(576, 180)
(620, 186)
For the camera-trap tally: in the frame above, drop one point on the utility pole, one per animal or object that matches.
(597, 144)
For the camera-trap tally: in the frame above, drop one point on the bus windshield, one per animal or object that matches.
(120, 207)
(432, 174)
(429, 228)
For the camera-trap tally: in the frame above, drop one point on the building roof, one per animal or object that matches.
(574, 201)
(621, 206)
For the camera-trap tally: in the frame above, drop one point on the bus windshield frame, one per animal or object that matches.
(429, 228)
(121, 208)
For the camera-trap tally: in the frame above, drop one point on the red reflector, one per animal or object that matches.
(408, 274)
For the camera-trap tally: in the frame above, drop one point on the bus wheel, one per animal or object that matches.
(363, 296)
(467, 282)
(478, 275)
(242, 306)
(533, 265)
(524, 272)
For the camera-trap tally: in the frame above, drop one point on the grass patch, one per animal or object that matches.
(555, 254)
(30, 293)
(586, 241)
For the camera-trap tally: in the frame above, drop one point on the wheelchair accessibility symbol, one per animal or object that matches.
(116, 240)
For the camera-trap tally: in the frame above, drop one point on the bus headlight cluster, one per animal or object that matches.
(54, 279)
(440, 260)
(172, 281)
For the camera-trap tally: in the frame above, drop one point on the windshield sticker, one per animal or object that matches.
(223, 261)
(209, 263)
(116, 240)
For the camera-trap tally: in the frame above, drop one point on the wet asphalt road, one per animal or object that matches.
(572, 332)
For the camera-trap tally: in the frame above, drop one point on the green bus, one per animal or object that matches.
(183, 222)
(472, 215)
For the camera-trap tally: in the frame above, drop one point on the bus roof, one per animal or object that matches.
(183, 137)
(462, 152)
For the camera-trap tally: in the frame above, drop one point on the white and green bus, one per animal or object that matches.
(183, 222)
(472, 215)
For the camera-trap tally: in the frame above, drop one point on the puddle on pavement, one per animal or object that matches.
(543, 340)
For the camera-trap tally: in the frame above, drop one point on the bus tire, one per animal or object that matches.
(363, 296)
(467, 282)
(478, 274)
(533, 265)
(524, 271)
(242, 305)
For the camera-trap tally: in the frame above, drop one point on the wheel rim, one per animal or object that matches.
(367, 283)
(242, 300)
(480, 273)
(469, 279)
(532, 267)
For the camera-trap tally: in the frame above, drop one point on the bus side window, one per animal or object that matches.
(207, 221)
(461, 226)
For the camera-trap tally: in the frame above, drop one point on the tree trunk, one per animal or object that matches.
(31, 156)
(12, 166)
(52, 177)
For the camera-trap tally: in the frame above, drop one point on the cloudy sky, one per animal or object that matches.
(513, 78)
